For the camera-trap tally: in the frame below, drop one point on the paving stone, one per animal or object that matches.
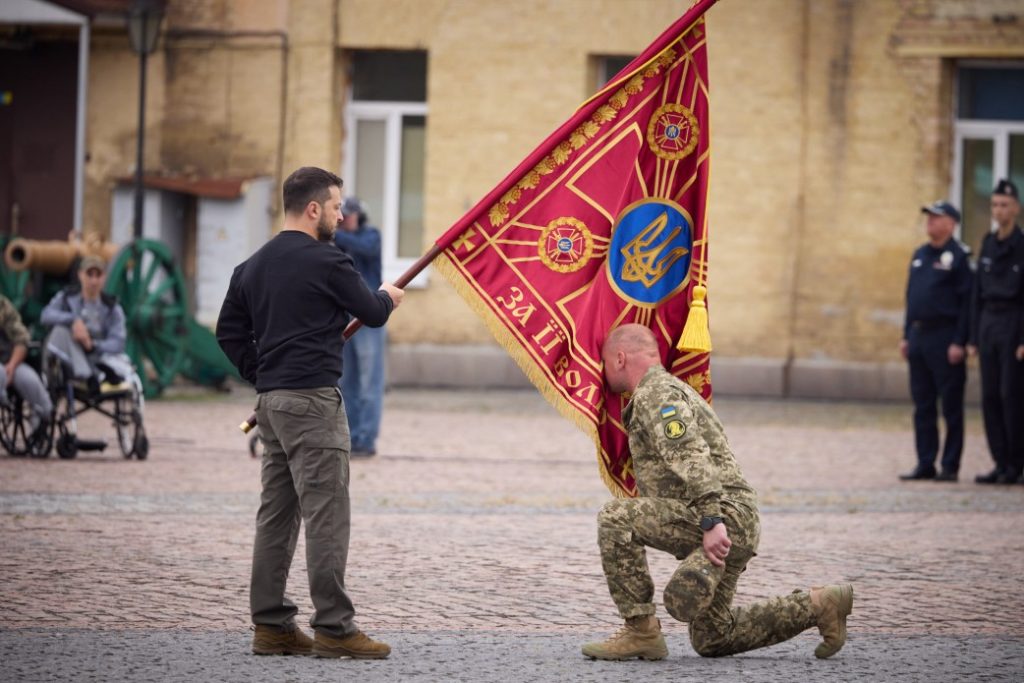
(474, 550)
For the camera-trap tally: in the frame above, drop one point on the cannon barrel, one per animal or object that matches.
(52, 257)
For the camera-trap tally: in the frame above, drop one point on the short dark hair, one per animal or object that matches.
(308, 184)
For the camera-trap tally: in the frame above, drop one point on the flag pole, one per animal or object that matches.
(403, 280)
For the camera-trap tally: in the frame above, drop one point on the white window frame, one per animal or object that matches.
(980, 129)
(997, 131)
(391, 114)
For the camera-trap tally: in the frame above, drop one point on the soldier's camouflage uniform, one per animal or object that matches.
(685, 470)
(26, 381)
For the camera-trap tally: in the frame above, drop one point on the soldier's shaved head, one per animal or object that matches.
(632, 339)
(628, 352)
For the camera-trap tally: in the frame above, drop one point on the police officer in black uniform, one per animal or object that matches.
(934, 336)
(997, 332)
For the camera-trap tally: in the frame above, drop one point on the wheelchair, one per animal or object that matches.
(123, 404)
(16, 433)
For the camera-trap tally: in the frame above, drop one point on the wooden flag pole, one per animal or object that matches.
(403, 280)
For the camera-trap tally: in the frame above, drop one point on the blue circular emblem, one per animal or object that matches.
(649, 256)
(672, 132)
(565, 245)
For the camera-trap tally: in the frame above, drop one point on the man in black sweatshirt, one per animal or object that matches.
(281, 325)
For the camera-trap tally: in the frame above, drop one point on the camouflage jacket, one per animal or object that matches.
(680, 450)
(12, 330)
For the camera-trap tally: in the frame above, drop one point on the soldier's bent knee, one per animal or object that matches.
(692, 587)
(612, 512)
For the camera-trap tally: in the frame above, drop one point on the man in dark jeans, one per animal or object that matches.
(934, 335)
(281, 325)
(997, 330)
(362, 385)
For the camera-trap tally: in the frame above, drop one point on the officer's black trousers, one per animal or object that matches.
(933, 378)
(1002, 389)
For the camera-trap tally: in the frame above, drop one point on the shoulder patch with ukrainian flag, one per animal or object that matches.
(673, 426)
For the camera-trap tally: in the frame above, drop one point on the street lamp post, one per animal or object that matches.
(143, 31)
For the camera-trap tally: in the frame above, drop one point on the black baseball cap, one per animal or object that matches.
(1006, 187)
(942, 208)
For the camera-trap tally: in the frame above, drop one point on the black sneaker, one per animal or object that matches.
(946, 475)
(109, 375)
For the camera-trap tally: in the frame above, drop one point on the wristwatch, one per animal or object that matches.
(708, 523)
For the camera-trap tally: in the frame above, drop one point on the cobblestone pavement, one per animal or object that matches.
(474, 550)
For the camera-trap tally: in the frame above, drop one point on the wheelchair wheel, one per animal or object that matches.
(67, 446)
(11, 428)
(128, 430)
(142, 446)
(41, 443)
(131, 436)
(16, 433)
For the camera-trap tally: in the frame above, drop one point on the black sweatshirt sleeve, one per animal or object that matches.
(372, 308)
(235, 332)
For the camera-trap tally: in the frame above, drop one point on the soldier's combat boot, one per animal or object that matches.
(639, 637)
(273, 641)
(357, 645)
(831, 605)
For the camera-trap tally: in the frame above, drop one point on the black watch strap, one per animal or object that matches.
(709, 523)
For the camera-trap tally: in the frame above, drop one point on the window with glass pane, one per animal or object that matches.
(371, 143)
(989, 138)
(386, 150)
(609, 65)
(993, 93)
(410, 200)
(978, 183)
(389, 76)
(1017, 160)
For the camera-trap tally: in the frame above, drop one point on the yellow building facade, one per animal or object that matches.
(832, 122)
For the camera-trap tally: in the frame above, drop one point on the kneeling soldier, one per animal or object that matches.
(695, 504)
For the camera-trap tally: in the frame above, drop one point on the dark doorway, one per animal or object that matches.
(38, 98)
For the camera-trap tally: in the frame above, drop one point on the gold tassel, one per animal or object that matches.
(695, 336)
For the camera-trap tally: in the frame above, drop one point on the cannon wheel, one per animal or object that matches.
(151, 289)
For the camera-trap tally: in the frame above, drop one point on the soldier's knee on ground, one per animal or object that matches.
(692, 587)
(705, 641)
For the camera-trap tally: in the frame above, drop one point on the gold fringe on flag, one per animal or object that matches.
(695, 336)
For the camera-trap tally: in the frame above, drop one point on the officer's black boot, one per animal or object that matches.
(990, 478)
(919, 472)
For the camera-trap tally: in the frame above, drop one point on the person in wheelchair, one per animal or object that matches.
(14, 338)
(88, 333)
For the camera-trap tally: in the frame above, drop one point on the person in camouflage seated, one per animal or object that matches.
(14, 339)
(694, 503)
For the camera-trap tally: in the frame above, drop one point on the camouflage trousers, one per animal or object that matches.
(698, 593)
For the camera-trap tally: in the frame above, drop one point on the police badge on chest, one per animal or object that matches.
(945, 261)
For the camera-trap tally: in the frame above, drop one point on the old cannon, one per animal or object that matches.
(163, 339)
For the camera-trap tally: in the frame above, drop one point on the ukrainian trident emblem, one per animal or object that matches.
(649, 257)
